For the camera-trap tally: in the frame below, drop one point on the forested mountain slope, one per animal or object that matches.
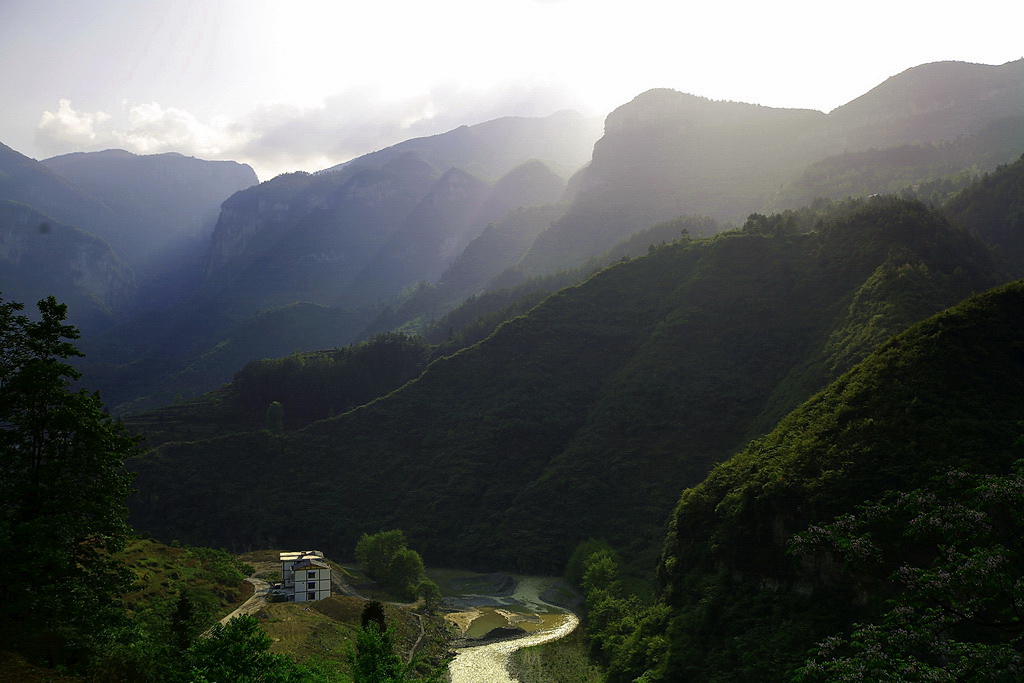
(395, 239)
(624, 389)
(320, 259)
(946, 395)
(929, 171)
(994, 209)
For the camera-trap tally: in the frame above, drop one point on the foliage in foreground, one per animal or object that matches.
(374, 659)
(67, 599)
(623, 633)
(954, 554)
(63, 491)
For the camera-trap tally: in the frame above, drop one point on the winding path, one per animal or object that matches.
(259, 597)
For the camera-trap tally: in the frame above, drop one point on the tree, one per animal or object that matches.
(575, 567)
(240, 651)
(63, 491)
(374, 611)
(374, 659)
(185, 621)
(375, 551)
(431, 594)
(954, 554)
(405, 572)
(275, 417)
(386, 558)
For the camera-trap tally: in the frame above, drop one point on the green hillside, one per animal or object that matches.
(623, 389)
(994, 209)
(929, 171)
(946, 395)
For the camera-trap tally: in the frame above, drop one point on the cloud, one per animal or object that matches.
(152, 129)
(146, 128)
(68, 129)
(274, 138)
(364, 119)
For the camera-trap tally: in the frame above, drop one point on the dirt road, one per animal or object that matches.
(259, 598)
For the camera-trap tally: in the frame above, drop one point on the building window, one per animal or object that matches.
(311, 585)
(311, 575)
(311, 596)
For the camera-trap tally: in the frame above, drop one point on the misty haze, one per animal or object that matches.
(530, 340)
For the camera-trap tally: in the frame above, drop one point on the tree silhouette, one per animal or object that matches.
(63, 491)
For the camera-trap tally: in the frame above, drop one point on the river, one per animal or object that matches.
(544, 621)
(489, 663)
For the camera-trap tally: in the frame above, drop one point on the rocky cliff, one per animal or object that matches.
(41, 257)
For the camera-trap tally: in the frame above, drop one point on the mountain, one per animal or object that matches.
(165, 205)
(994, 209)
(930, 102)
(562, 141)
(451, 217)
(398, 237)
(307, 238)
(492, 253)
(32, 183)
(154, 211)
(356, 241)
(620, 390)
(929, 171)
(40, 257)
(359, 233)
(667, 153)
(350, 241)
(946, 395)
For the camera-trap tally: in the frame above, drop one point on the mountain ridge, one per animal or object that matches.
(625, 365)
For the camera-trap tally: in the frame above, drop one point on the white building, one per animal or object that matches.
(305, 576)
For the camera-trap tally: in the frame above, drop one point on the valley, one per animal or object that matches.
(715, 391)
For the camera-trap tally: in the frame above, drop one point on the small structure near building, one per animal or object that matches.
(305, 576)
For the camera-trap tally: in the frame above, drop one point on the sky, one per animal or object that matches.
(288, 85)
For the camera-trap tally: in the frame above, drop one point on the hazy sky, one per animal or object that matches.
(305, 84)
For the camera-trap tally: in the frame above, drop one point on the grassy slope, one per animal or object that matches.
(562, 661)
(160, 570)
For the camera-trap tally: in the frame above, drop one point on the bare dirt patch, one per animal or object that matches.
(463, 619)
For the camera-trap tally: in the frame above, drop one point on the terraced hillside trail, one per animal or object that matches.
(490, 662)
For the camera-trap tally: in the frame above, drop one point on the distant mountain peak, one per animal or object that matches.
(408, 163)
(941, 96)
(564, 140)
(663, 105)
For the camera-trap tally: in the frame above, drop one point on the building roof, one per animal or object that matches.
(309, 564)
(296, 555)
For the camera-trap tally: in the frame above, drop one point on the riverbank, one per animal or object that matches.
(561, 661)
(499, 614)
(503, 605)
(490, 662)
